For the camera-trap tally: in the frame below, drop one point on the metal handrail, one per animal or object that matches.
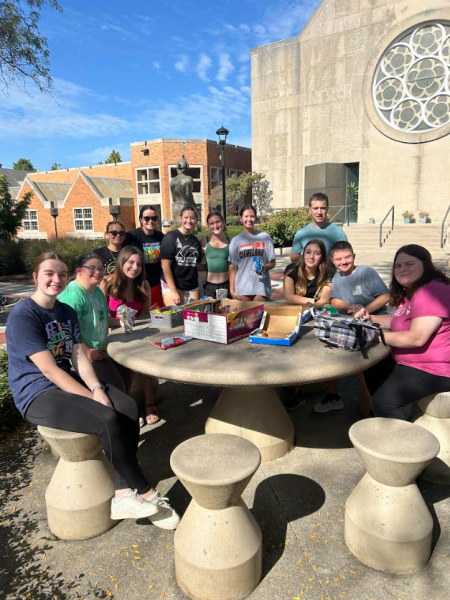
(345, 208)
(392, 209)
(442, 227)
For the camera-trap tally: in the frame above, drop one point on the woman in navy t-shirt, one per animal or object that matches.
(44, 341)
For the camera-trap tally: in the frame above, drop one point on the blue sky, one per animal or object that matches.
(130, 71)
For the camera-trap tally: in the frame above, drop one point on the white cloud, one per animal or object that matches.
(203, 65)
(226, 67)
(244, 27)
(246, 89)
(259, 29)
(244, 73)
(157, 65)
(182, 64)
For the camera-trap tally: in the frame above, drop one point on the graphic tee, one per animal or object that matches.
(431, 300)
(33, 329)
(330, 234)
(360, 287)
(92, 311)
(108, 258)
(243, 248)
(151, 248)
(184, 252)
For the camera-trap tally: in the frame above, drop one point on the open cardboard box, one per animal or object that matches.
(240, 319)
(280, 325)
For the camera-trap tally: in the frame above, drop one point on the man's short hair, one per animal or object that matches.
(318, 196)
(343, 245)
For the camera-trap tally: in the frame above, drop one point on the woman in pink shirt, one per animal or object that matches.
(418, 332)
(128, 286)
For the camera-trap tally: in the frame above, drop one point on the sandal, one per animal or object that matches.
(141, 422)
(153, 417)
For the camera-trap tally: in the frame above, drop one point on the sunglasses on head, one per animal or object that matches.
(115, 233)
(147, 219)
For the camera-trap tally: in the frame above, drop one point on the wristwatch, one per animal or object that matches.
(97, 385)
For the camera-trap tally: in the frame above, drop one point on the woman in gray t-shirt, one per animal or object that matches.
(249, 278)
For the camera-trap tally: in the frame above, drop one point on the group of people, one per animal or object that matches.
(61, 376)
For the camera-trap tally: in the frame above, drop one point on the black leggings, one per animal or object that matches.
(393, 386)
(117, 429)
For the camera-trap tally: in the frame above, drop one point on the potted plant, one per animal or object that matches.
(408, 216)
(423, 216)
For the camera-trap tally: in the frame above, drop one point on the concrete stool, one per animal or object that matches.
(436, 418)
(78, 497)
(218, 544)
(387, 524)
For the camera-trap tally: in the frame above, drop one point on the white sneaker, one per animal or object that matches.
(165, 517)
(131, 506)
(328, 405)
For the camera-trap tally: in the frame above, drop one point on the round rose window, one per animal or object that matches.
(411, 87)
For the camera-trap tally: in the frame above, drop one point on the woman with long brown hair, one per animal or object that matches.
(418, 332)
(308, 282)
(128, 286)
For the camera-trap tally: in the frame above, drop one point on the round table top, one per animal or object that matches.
(240, 363)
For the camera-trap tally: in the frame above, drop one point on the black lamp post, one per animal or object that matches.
(222, 133)
(54, 214)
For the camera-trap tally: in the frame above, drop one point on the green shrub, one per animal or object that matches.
(9, 415)
(233, 220)
(11, 257)
(284, 224)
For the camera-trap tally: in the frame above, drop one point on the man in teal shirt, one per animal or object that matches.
(318, 229)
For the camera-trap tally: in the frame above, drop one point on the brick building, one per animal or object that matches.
(83, 195)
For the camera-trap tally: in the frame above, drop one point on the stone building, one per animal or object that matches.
(83, 195)
(361, 95)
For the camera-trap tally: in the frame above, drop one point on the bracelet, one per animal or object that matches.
(97, 385)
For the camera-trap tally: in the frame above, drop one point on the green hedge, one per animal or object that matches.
(19, 257)
(9, 415)
(284, 224)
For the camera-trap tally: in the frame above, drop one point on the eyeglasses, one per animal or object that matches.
(147, 219)
(115, 233)
(93, 269)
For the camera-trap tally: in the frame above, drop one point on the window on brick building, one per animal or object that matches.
(82, 218)
(195, 173)
(148, 181)
(216, 177)
(234, 173)
(30, 223)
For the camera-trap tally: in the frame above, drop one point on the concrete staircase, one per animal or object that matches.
(365, 238)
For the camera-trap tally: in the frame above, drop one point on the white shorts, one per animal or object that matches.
(165, 288)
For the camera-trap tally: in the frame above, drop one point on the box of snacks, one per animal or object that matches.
(222, 321)
(280, 325)
(169, 317)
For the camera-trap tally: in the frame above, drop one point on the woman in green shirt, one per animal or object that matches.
(84, 295)
(216, 249)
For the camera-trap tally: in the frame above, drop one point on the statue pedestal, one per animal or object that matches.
(218, 544)
(176, 208)
(387, 524)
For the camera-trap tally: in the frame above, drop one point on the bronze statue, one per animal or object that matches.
(181, 187)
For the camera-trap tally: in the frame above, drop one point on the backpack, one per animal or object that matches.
(345, 332)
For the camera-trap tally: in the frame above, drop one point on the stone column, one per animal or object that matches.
(387, 524)
(218, 544)
(78, 497)
(435, 418)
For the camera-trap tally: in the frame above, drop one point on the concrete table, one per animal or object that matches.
(248, 405)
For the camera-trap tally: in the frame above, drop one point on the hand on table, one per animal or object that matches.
(235, 296)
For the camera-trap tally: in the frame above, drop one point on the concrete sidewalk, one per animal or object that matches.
(298, 501)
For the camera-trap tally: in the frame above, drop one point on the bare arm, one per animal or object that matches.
(201, 266)
(232, 272)
(295, 257)
(270, 265)
(340, 305)
(93, 353)
(422, 328)
(289, 293)
(167, 270)
(378, 303)
(383, 320)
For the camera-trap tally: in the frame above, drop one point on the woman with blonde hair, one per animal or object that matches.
(128, 286)
(308, 282)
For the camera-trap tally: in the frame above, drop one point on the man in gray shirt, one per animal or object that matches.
(355, 287)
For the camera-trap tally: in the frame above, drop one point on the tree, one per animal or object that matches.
(55, 166)
(237, 187)
(113, 158)
(24, 164)
(12, 212)
(24, 53)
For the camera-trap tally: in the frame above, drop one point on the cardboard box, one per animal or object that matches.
(280, 325)
(242, 318)
(164, 318)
